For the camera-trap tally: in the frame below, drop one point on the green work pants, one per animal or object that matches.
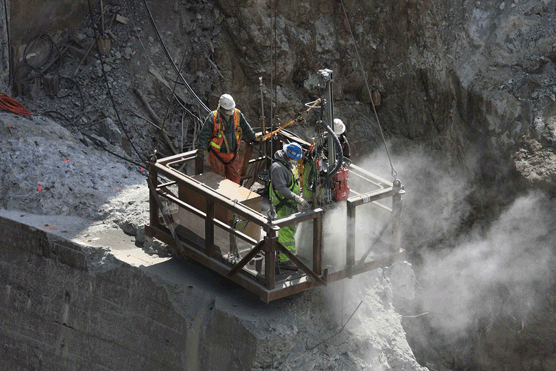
(286, 235)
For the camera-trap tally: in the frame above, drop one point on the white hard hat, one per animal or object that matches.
(227, 102)
(339, 127)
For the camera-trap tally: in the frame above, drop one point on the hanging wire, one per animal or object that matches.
(394, 173)
(201, 103)
(109, 90)
(173, 97)
(175, 81)
(273, 85)
(8, 43)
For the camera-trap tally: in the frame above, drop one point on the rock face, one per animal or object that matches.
(471, 81)
(4, 50)
(74, 307)
(463, 78)
(464, 90)
(77, 308)
(73, 296)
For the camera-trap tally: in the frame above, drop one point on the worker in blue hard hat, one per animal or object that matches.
(284, 191)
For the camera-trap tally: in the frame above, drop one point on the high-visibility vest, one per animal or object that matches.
(280, 201)
(218, 136)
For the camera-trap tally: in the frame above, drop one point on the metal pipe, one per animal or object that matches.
(263, 118)
(327, 76)
(379, 185)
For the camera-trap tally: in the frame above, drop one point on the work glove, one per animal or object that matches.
(301, 202)
(258, 138)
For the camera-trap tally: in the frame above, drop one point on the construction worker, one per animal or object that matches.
(308, 170)
(221, 136)
(339, 130)
(284, 191)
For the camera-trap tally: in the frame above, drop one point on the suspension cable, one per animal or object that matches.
(273, 84)
(203, 105)
(109, 90)
(174, 81)
(394, 173)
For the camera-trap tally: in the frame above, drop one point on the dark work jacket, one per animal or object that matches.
(229, 132)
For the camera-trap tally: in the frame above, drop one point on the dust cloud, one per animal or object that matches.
(501, 272)
(465, 275)
(499, 268)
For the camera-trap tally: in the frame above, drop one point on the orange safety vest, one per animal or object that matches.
(218, 136)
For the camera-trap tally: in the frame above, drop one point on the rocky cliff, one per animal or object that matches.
(463, 91)
(68, 306)
(82, 288)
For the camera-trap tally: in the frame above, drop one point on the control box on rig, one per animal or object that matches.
(341, 188)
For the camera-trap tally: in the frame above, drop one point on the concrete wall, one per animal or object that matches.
(66, 307)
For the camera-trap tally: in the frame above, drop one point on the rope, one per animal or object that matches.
(11, 105)
(394, 173)
(298, 118)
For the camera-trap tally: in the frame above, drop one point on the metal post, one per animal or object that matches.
(317, 244)
(263, 121)
(328, 77)
(350, 238)
(153, 207)
(209, 228)
(397, 226)
(270, 259)
(198, 164)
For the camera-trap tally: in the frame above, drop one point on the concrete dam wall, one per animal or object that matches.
(65, 306)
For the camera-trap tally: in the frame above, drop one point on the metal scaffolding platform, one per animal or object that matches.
(200, 222)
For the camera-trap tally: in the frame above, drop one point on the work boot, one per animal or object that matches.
(289, 265)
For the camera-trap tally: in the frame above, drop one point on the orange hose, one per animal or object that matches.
(268, 135)
(11, 105)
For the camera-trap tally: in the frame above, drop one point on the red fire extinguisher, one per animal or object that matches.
(341, 188)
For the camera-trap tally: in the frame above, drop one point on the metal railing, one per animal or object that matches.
(200, 245)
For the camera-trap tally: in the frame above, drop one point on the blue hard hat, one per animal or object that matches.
(293, 150)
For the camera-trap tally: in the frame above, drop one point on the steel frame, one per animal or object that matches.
(268, 287)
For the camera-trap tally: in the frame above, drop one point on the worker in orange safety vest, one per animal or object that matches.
(221, 136)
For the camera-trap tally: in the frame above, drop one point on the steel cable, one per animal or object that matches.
(109, 90)
(202, 104)
(394, 173)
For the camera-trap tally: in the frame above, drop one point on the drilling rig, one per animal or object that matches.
(223, 225)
